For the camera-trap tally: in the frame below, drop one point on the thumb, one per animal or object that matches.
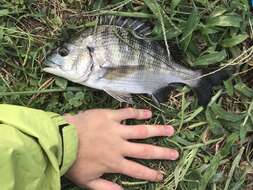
(101, 184)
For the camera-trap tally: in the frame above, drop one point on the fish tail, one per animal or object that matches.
(205, 86)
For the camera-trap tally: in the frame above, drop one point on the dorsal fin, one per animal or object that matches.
(140, 28)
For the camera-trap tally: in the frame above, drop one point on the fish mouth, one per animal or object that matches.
(50, 63)
(50, 66)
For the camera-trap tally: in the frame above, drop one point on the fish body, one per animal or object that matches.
(114, 60)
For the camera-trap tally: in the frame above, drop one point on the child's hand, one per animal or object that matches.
(104, 146)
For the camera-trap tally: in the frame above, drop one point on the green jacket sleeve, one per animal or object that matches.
(36, 148)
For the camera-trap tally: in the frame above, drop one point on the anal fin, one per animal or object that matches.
(122, 97)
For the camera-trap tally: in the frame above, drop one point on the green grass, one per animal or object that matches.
(215, 143)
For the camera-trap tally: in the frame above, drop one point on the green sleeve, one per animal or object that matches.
(36, 148)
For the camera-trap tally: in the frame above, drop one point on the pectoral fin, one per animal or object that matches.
(122, 97)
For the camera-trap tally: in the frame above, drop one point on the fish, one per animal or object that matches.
(119, 57)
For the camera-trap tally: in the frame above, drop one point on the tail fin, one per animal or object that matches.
(206, 84)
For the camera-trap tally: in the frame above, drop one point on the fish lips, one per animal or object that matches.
(51, 67)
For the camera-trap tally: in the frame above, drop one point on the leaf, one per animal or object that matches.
(61, 82)
(234, 165)
(229, 143)
(210, 171)
(228, 116)
(162, 17)
(213, 124)
(218, 11)
(1, 36)
(98, 4)
(224, 21)
(182, 140)
(203, 2)
(184, 165)
(4, 12)
(211, 58)
(193, 115)
(240, 181)
(214, 98)
(170, 33)
(229, 87)
(77, 100)
(186, 42)
(189, 28)
(207, 30)
(157, 10)
(244, 89)
(233, 41)
(215, 162)
(174, 4)
(242, 5)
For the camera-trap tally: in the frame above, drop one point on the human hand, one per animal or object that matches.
(103, 146)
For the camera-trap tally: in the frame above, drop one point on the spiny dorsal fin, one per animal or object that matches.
(139, 28)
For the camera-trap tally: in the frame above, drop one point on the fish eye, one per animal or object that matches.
(63, 51)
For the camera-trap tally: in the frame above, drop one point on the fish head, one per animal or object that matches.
(71, 61)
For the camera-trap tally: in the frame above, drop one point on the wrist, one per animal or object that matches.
(69, 118)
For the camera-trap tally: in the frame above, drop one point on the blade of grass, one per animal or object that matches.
(233, 41)
(215, 162)
(229, 116)
(19, 68)
(224, 21)
(199, 145)
(211, 58)
(244, 89)
(162, 17)
(190, 27)
(234, 165)
(184, 165)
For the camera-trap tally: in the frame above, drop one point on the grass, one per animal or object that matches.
(215, 142)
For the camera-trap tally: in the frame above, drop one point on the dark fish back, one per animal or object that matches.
(119, 43)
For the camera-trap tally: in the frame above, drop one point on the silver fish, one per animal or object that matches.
(116, 61)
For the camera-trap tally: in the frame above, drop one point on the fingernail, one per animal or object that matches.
(175, 155)
(170, 130)
(159, 177)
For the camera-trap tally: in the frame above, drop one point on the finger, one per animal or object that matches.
(101, 184)
(131, 113)
(139, 171)
(146, 131)
(146, 151)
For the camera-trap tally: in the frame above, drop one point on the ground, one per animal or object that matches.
(215, 142)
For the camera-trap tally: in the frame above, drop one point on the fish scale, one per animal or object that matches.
(112, 59)
(155, 63)
(156, 54)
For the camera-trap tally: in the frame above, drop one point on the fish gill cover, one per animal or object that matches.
(215, 143)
